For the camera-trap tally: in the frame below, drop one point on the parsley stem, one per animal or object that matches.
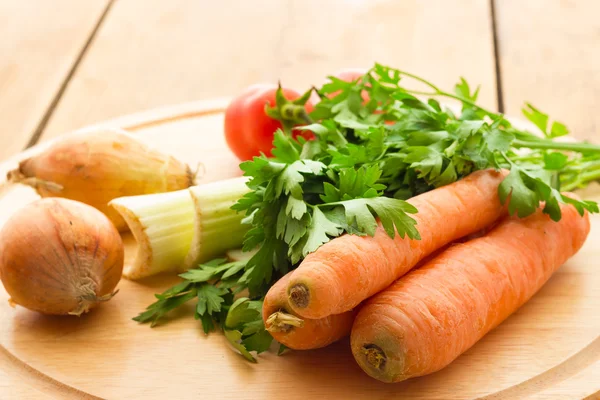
(452, 96)
(439, 92)
(581, 180)
(584, 167)
(422, 80)
(552, 145)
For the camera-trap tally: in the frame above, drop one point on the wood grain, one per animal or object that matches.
(38, 48)
(549, 349)
(549, 55)
(185, 50)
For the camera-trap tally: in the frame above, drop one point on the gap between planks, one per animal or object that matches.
(496, 48)
(37, 133)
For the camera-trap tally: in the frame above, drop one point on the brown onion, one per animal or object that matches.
(59, 256)
(97, 166)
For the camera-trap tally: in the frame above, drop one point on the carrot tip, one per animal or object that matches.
(374, 355)
(282, 322)
(299, 295)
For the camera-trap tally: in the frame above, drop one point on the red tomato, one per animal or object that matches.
(248, 130)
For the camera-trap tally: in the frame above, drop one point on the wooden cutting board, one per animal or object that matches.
(549, 349)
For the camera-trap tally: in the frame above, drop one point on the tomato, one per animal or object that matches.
(248, 129)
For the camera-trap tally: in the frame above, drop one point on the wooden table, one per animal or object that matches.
(65, 64)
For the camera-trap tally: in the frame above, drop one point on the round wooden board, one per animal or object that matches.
(549, 349)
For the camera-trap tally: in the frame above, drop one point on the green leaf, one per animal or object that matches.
(376, 143)
(348, 156)
(463, 90)
(391, 212)
(282, 349)
(259, 342)
(445, 178)
(175, 290)
(157, 310)
(295, 207)
(212, 269)
(207, 322)
(426, 161)
(318, 129)
(426, 138)
(581, 205)
(327, 131)
(555, 161)
(252, 327)
(536, 116)
(290, 179)
(199, 275)
(352, 124)
(356, 183)
(260, 266)
(558, 129)
(320, 231)
(499, 140)
(261, 170)
(210, 299)
(285, 149)
(241, 312)
(523, 199)
(234, 337)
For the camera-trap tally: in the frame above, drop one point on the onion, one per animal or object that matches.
(59, 256)
(97, 166)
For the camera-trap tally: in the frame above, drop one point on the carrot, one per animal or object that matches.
(350, 268)
(297, 333)
(429, 317)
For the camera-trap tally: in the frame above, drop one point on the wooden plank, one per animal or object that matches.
(40, 42)
(549, 55)
(185, 50)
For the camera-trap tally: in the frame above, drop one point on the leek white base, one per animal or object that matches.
(176, 231)
(217, 228)
(163, 226)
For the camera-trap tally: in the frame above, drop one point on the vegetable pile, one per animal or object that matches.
(376, 145)
(367, 208)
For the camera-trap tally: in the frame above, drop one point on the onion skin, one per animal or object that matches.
(97, 166)
(59, 257)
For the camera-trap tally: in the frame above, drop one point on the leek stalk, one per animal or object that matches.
(177, 230)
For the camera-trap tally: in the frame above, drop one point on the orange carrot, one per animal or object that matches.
(429, 317)
(297, 333)
(349, 269)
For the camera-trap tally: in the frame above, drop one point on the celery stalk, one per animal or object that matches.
(217, 228)
(163, 226)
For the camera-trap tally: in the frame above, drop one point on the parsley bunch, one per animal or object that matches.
(377, 143)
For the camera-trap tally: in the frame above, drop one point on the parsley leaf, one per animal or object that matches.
(319, 231)
(392, 213)
(541, 120)
(523, 198)
(245, 329)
